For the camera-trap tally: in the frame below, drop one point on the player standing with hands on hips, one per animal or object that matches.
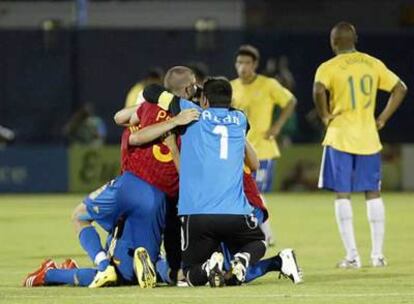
(258, 95)
(351, 160)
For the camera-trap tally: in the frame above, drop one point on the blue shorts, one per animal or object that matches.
(346, 172)
(123, 196)
(264, 175)
(138, 231)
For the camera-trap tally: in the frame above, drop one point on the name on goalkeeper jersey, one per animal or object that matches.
(228, 119)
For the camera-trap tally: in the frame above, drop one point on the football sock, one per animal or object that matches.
(343, 212)
(163, 270)
(91, 243)
(376, 218)
(262, 267)
(74, 277)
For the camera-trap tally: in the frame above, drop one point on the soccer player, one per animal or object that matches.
(148, 176)
(344, 93)
(285, 261)
(212, 204)
(258, 95)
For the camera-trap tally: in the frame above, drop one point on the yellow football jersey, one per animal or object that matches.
(257, 100)
(132, 97)
(352, 80)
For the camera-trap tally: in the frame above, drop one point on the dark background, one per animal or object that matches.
(45, 76)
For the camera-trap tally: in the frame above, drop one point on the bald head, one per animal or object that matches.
(343, 37)
(178, 80)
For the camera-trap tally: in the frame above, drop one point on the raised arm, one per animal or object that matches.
(123, 117)
(394, 101)
(157, 94)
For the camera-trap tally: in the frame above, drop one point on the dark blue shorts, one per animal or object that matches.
(346, 172)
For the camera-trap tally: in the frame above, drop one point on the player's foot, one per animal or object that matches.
(239, 266)
(379, 262)
(354, 263)
(37, 278)
(108, 277)
(144, 269)
(290, 267)
(214, 269)
(69, 264)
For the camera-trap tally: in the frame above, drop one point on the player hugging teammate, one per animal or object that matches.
(222, 242)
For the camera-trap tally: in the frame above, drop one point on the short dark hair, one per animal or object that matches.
(218, 91)
(249, 50)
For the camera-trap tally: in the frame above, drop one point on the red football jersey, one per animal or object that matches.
(152, 162)
(252, 192)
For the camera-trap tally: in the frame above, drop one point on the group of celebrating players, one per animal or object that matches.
(186, 177)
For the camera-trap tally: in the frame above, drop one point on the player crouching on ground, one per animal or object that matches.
(245, 242)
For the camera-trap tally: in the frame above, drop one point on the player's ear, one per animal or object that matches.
(355, 39)
(204, 102)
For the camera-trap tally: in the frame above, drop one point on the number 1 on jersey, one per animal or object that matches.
(224, 140)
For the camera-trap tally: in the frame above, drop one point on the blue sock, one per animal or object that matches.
(163, 270)
(262, 267)
(91, 243)
(85, 276)
(60, 277)
(74, 277)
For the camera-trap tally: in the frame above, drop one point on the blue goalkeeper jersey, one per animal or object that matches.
(211, 163)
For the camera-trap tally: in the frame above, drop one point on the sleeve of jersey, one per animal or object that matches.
(322, 76)
(155, 93)
(387, 79)
(280, 95)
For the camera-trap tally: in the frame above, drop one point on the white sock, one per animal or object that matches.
(100, 257)
(267, 230)
(343, 213)
(376, 218)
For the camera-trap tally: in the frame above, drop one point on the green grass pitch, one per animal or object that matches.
(33, 227)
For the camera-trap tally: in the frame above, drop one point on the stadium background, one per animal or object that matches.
(57, 55)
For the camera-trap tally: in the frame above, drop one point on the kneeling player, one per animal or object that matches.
(132, 264)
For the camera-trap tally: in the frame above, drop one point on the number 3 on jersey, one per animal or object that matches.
(224, 140)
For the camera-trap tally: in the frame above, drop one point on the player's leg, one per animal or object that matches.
(336, 175)
(145, 210)
(74, 277)
(245, 241)
(368, 180)
(89, 237)
(102, 206)
(202, 262)
(264, 181)
(172, 238)
(284, 262)
(51, 274)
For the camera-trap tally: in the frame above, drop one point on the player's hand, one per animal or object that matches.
(380, 123)
(272, 133)
(186, 116)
